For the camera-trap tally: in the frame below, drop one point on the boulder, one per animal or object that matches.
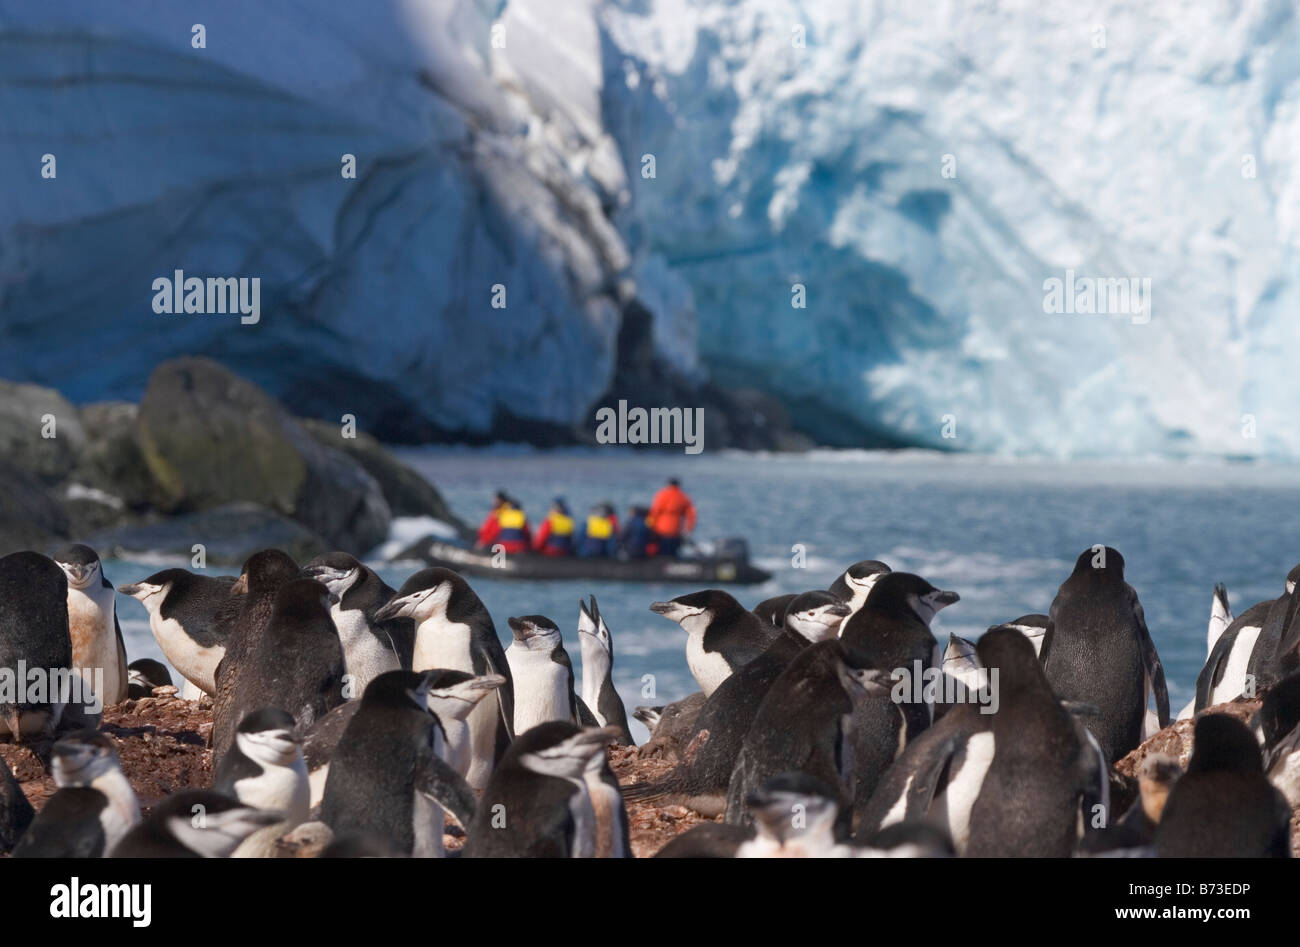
(208, 437)
(407, 492)
(24, 410)
(30, 517)
(229, 534)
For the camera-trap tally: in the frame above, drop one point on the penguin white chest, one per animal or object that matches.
(541, 688)
(954, 804)
(196, 664)
(365, 654)
(709, 668)
(94, 641)
(278, 788)
(440, 643)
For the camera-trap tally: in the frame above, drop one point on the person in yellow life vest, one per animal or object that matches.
(510, 531)
(599, 535)
(555, 536)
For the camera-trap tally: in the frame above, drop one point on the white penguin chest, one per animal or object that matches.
(94, 640)
(440, 643)
(709, 668)
(541, 688)
(365, 654)
(279, 788)
(954, 804)
(196, 664)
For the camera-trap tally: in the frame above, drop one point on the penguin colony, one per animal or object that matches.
(829, 723)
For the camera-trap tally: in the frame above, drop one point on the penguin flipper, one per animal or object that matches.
(122, 674)
(1155, 671)
(447, 788)
(492, 663)
(1283, 748)
(1215, 667)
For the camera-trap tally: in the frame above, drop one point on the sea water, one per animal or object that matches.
(1003, 533)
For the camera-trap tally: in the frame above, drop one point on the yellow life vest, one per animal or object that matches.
(599, 527)
(561, 525)
(510, 518)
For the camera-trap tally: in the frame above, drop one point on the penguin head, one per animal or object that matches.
(902, 592)
(1033, 627)
(425, 595)
(592, 629)
(856, 582)
(1221, 742)
(146, 674)
(562, 749)
(696, 611)
(81, 565)
(535, 633)
(451, 695)
(208, 823)
(1100, 562)
(403, 690)
(151, 592)
(1292, 579)
(794, 807)
(1011, 654)
(650, 716)
(265, 571)
(337, 571)
(858, 679)
(1157, 774)
(816, 616)
(267, 736)
(80, 758)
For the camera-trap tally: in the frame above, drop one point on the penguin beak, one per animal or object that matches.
(241, 585)
(522, 630)
(942, 599)
(837, 612)
(131, 589)
(488, 682)
(401, 607)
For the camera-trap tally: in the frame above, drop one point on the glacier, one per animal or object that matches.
(918, 172)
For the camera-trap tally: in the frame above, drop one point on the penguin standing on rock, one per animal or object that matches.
(370, 647)
(721, 634)
(805, 723)
(388, 777)
(701, 781)
(296, 664)
(892, 630)
(33, 630)
(195, 823)
(93, 808)
(265, 769)
(258, 584)
(538, 803)
(454, 631)
(1224, 805)
(1097, 651)
(1043, 768)
(190, 617)
(542, 673)
(596, 645)
(92, 623)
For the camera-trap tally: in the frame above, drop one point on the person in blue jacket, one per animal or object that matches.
(638, 538)
(599, 535)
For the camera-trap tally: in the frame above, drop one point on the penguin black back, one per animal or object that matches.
(34, 630)
(1028, 803)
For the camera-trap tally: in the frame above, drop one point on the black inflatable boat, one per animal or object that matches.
(729, 565)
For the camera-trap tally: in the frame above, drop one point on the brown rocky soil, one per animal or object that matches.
(162, 742)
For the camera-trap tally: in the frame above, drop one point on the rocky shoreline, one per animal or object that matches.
(205, 457)
(163, 744)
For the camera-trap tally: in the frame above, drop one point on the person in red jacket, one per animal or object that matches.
(555, 536)
(672, 517)
(510, 531)
(489, 527)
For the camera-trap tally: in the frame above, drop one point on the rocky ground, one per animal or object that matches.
(162, 742)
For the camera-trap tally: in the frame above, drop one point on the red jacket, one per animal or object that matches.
(508, 527)
(672, 513)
